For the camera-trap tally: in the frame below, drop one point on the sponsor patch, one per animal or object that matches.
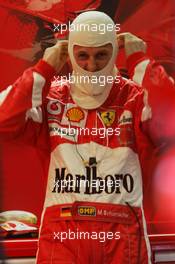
(86, 211)
(108, 117)
(75, 114)
(125, 118)
(54, 107)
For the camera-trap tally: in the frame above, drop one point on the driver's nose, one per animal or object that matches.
(91, 65)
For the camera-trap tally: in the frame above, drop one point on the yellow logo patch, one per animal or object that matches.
(75, 114)
(87, 211)
(108, 117)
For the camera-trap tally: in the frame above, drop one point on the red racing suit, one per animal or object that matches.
(99, 159)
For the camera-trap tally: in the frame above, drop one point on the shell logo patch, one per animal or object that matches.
(86, 211)
(75, 114)
(108, 117)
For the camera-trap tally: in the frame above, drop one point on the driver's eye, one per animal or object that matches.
(101, 55)
(82, 56)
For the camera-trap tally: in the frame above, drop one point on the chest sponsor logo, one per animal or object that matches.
(125, 118)
(54, 107)
(75, 114)
(86, 211)
(108, 117)
(90, 183)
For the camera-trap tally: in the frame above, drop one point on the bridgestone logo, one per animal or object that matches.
(90, 183)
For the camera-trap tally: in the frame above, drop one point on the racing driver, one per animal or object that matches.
(101, 130)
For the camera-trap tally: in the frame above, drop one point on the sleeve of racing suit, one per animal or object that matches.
(158, 103)
(23, 99)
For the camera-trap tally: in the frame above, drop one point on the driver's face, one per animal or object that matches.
(93, 59)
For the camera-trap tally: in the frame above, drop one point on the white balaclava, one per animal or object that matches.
(86, 30)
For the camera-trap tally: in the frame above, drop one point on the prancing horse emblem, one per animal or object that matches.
(108, 117)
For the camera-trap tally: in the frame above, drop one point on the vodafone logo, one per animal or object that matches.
(54, 107)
